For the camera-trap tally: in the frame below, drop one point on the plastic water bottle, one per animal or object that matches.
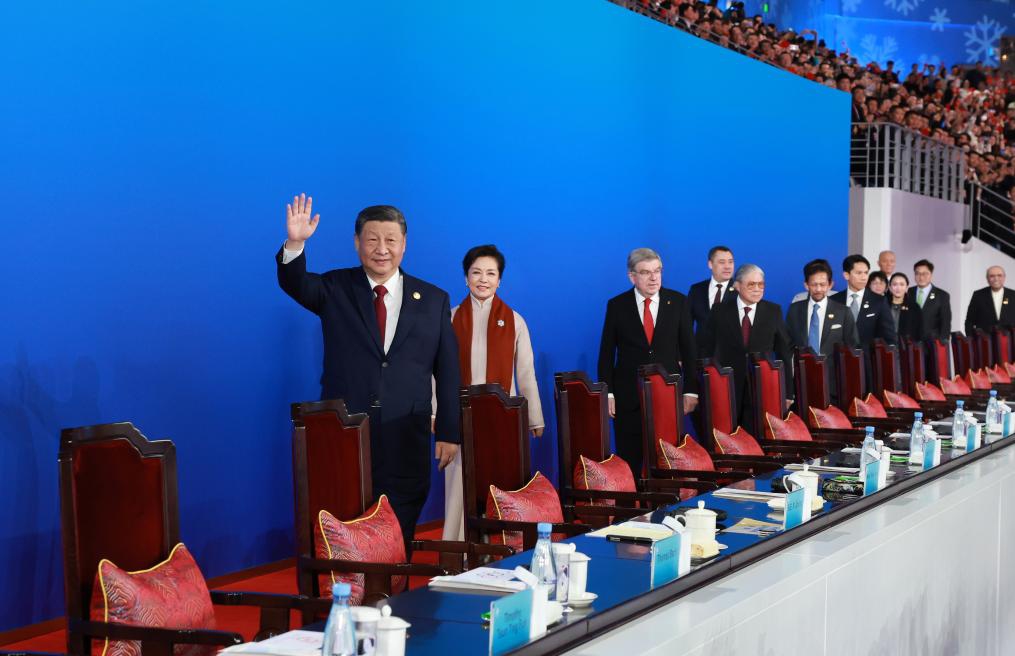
(959, 423)
(916, 440)
(543, 566)
(339, 632)
(993, 414)
(868, 452)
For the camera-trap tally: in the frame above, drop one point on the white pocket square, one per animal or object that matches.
(870, 315)
(838, 325)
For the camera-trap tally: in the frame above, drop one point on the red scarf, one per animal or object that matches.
(500, 342)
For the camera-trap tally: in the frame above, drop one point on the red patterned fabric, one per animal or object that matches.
(955, 386)
(978, 380)
(739, 443)
(929, 392)
(171, 595)
(664, 409)
(373, 537)
(689, 455)
(900, 400)
(997, 374)
(830, 417)
(790, 428)
(1009, 368)
(612, 475)
(536, 502)
(869, 408)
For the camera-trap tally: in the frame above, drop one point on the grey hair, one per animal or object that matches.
(745, 270)
(639, 255)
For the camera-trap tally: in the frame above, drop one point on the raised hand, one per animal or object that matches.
(298, 223)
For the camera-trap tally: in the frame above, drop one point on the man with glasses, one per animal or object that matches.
(644, 325)
(935, 303)
(750, 325)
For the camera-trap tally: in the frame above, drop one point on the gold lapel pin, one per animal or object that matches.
(1004, 302)
(831, 316)
(417, 295)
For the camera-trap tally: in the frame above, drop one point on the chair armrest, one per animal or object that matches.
(665, 484)
(158, 641)
(364, 567)
(688, 475)
(607, 512)
(461, 547)
(656, 498)
(527, 529)
(749, 464)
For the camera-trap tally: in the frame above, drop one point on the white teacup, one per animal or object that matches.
(579, 574)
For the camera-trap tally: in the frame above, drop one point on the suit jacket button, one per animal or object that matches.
(650, 351)
(384, 364)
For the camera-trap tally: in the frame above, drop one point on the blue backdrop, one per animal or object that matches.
(150, 149)
(905, 31)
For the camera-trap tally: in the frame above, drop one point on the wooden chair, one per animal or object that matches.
(1001, 337)
(983, 349)
(913, 365)
(332, 472)
(495, 451)
(938, 361)
(662, 420)
(963, 353)
(811, 378)
(716, 402)
(887, 369)
(583, 429)
(851, 371)
(118, 501)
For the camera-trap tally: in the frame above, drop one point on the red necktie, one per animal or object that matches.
(718, 295)
(647, 320)
(745, 326)
(380, 310)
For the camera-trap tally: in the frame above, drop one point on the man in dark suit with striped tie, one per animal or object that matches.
(644, 325)
(705, 295)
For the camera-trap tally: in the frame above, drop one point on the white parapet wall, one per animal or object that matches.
(917, 227)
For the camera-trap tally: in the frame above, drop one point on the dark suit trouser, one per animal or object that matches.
(406, 494)
(627, 431)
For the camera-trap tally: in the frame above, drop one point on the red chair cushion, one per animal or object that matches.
(612, 475)
(900, 400)
(537, 501)
(997, 374)
(372, 537)
(172, 594)
(737, 443)
(830, 417)
(689, 455)
(955, 386)
(929, 392)
(978, 380)
(790, 428)
(869, 408)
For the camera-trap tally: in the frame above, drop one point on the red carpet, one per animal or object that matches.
(241, 620)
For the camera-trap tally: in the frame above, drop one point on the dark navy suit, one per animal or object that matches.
(393, 388)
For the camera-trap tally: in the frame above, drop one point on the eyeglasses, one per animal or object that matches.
(648, 274)
(754, 285)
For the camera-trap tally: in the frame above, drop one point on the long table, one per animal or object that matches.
(917, 567)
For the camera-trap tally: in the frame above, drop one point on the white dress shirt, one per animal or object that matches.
(823, 307)
(859, 299)
(997, 296)
(750, 316)
(392, 300)
(653, 307)
(711, 291)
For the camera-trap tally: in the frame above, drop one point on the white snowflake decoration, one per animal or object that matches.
(939, 19)
(850, 6)
(981, 40)
(903, 6)
(871, 50)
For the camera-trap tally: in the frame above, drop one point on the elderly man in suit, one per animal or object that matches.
(993, 305)
(749, 325)
(886, 263)
(705, 295)
(387, 336)
(935, 303)
(644, 325)
(819, 322)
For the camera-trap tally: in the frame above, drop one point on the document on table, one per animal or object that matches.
(634, 530)
(748, 526)
(747, 495)
(291, 643)
(482, 579)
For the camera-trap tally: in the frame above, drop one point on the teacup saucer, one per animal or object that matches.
(582, 599)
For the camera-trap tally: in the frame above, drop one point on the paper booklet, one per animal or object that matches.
(291, 643)
(634, 529)
(481, 579)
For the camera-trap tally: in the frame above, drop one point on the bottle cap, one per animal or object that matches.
(918, 415)
(869, 429)
(543, 527)
(341, 590)
(960, 403)
(993, 392)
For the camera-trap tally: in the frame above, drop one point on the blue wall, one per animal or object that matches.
(905, 31)
(149, 149)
